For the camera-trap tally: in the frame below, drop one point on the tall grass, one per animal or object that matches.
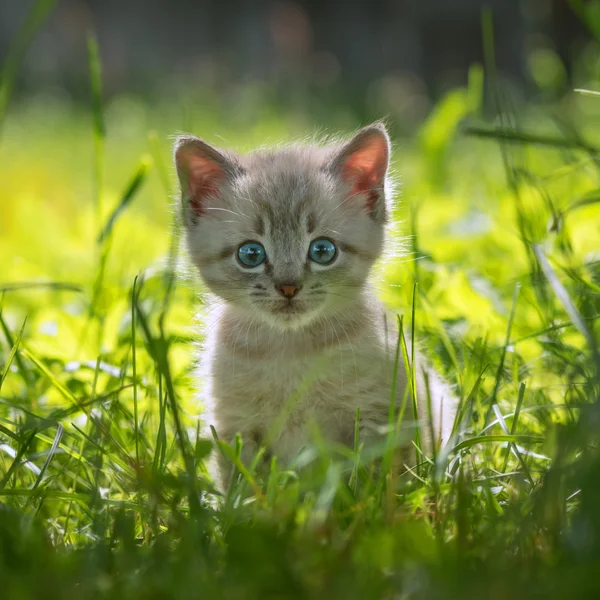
(104, 490)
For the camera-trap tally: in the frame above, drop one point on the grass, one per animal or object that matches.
(104, 491)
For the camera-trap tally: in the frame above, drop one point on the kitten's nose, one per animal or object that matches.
(289, 290)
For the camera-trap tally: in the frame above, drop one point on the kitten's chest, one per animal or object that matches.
(319, 382)
(276, 391)
(271, 378)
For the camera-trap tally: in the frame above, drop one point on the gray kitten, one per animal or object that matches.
(285, 240)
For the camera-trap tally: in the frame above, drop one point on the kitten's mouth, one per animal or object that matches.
(290, 308)
(292, 312)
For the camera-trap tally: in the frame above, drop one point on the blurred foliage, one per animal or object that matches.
(104, 491)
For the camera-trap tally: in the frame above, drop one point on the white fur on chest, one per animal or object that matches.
(283, 396)
(275, 393)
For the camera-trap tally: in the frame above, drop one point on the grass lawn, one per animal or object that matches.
(103, 487)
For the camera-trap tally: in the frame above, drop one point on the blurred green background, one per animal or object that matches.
(495, 118)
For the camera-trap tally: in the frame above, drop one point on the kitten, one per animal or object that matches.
(285, 239)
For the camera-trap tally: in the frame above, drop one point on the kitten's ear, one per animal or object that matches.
(363, 163)
(201, 169)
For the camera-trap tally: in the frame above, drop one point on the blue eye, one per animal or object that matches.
(251, 254)
(322, 251)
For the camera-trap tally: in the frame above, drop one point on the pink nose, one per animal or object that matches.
(289, 291)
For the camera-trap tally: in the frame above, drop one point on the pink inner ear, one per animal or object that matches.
(365, 169)
(204, 178)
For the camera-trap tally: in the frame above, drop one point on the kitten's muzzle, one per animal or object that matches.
(288, 290)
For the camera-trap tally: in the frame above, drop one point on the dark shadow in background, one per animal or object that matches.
(401, 53)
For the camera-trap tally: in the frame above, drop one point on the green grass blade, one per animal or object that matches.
(326, 495)
(413, 369)
(171, 272)
(134, 371)
(17, 459)
(498, 439)
(95, 70)
(64, 391)
(411, 392)
(123, 465)
(500, 368)
(74, 454)
(12, 353)
(133, 187)
(584, 92)
(563, 296)
(519, 137)
(233, 456)
(158, 349)
(49, 457)
(514, 448)
(61, 496)
(353, 482)
(394, 390)
(58, 286)
(23, 370)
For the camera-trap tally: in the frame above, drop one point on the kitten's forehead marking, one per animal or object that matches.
(267, 210)
(259, 225)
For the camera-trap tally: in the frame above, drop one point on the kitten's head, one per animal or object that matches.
(288, 235)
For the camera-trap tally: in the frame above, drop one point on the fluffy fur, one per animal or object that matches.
(274, 366)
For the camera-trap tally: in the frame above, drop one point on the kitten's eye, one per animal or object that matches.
(251, 254)
(322, 251)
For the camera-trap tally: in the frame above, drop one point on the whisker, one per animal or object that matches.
(226, 210)
(247, 199)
